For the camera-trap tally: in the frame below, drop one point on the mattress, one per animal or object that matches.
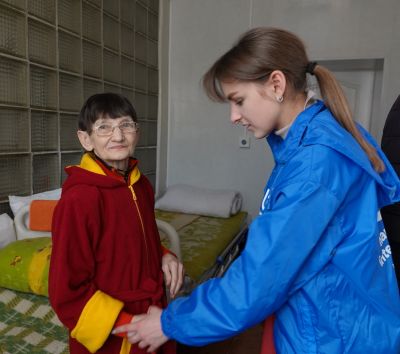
(29, 325)
(202, 238)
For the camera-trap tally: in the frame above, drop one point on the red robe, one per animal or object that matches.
(106, 256)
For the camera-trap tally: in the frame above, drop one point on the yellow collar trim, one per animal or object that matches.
(134, 176)
(89, 164)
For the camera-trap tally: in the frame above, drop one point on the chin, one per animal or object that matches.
(121, 158)
(260, 135)
(117, 157)
(119, 154)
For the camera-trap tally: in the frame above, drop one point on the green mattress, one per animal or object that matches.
(29, 325)
(202, 238)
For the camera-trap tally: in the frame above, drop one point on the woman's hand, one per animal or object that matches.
(145, 330)
(173, 273)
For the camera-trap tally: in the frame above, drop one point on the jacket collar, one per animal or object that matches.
(283, 149)
(89, 163)
(316, 126)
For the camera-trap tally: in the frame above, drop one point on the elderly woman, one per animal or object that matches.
(107, 262)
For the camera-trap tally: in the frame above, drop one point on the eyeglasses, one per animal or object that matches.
(108, 129)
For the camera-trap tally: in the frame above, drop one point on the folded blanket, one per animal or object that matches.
(202, 201)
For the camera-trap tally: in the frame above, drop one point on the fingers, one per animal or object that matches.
(149, 333)
(173, 273)
(129, 327)
(178, 277)
(181, 276)
(172, 287)
(133, 337)
(137, 318)
(142, 344)
(167, 274)
(152, 349)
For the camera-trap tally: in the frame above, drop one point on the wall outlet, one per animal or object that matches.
(244, 142)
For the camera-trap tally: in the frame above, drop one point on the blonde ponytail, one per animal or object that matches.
(336, 101)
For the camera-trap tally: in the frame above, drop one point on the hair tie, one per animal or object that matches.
(310, 67)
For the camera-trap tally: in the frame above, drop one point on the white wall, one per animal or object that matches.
(202, 148)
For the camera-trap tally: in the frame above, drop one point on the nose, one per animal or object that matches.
(235, 114)
(117, 134)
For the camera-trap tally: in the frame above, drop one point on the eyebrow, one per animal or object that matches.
(110, 120)
(231, 96)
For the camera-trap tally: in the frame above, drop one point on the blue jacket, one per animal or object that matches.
(317, 255)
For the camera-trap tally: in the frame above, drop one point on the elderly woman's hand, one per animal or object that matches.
(173, 273)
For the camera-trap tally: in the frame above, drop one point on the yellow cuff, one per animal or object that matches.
(97, 320)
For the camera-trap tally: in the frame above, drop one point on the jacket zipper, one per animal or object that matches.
(141, 223)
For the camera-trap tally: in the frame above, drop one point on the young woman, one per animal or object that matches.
(317, 256)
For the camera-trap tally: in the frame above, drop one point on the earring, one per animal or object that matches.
(279, 99)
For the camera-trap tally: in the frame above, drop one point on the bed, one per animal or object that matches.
(207, 247)
(208, 244)
(29, 325)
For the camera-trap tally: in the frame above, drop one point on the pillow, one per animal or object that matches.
(183, 198)
(7, 230)
(24, 265)
(41, 214)
(17, 202)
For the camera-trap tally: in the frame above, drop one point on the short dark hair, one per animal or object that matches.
(112, 105)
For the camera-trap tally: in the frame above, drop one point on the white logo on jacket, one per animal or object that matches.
(266, 197)
(386, 251)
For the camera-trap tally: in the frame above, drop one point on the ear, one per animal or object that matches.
(85, 140)
(277, 81)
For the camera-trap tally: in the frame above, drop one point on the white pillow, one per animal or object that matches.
(7, 231)
(188, 199)
(16, 202)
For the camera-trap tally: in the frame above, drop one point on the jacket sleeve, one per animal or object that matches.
(280, 243)
(87, 312)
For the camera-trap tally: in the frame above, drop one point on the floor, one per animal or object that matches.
(248, 342)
